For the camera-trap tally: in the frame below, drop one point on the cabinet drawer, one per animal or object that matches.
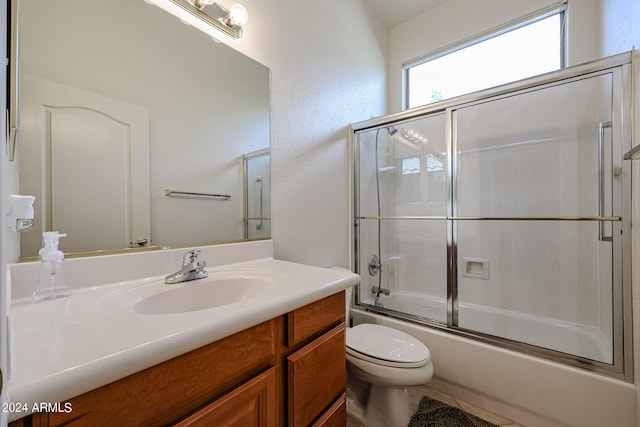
(315, 317)
(251, 405)
(335, 416)
(317, 376)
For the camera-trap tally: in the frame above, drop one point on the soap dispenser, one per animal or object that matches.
(52, 282)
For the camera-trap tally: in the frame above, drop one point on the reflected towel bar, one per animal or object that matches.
(174, 193)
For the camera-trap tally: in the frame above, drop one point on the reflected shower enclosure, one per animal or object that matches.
(257, 190)
(504, 216)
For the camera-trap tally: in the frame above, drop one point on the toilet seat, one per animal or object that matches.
(386, 346)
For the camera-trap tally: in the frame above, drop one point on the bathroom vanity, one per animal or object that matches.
(274, 360)
(289, 370)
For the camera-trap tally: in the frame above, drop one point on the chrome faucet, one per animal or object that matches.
(192, 269)
(377, 290)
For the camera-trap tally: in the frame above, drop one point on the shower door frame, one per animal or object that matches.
(620, 67)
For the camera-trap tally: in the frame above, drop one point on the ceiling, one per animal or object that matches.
(394, 12)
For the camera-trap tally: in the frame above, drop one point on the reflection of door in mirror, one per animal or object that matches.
(72, 143)
(257, 179)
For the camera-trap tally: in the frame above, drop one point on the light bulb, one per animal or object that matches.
(238, 15)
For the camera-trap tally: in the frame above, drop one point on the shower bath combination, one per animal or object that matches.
(512, 179)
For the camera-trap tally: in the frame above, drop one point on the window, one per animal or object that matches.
(530, 48)
(410, 165)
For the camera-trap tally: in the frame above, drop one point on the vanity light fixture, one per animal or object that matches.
(206, 15)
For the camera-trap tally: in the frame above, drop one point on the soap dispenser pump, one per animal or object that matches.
(52, 282)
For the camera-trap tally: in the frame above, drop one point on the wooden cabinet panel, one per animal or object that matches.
(164, 393)
(316, 376)
(250, 405)
(335, 416)
(316, 317)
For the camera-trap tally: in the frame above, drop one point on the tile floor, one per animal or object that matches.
(416, 393)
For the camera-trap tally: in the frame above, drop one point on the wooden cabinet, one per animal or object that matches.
(314, 381)
(250, 404)
(316, 361)
(287, 371)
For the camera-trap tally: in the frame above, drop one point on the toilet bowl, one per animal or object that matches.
(381, 363)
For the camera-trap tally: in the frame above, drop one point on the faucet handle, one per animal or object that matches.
(191, 256)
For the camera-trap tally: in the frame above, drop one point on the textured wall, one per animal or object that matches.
(327, 62)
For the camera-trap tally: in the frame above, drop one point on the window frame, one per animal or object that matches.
(556, 9)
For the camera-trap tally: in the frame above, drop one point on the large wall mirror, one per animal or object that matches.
(137, 130)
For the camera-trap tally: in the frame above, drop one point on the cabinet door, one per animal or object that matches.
(252, 404)
(317, 376)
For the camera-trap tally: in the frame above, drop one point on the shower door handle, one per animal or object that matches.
(601, 181)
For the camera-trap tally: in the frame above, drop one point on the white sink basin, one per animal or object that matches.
(201, 295)
(220, 289)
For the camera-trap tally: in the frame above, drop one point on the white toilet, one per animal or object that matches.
(381, 363)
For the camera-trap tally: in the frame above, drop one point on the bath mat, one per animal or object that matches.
(433, 413)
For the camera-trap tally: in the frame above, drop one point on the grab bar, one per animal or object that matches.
(260, 181)
(601, 179)
(174, 193)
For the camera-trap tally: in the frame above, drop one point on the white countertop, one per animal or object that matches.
(66, 347)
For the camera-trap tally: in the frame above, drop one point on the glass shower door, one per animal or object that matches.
(537, 204)
(401, 217)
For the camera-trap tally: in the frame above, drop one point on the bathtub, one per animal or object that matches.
(580, 340)
(529, 390)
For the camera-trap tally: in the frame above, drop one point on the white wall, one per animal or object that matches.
(327, 62)
(620, 30)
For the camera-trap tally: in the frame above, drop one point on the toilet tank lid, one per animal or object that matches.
(386, 343)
